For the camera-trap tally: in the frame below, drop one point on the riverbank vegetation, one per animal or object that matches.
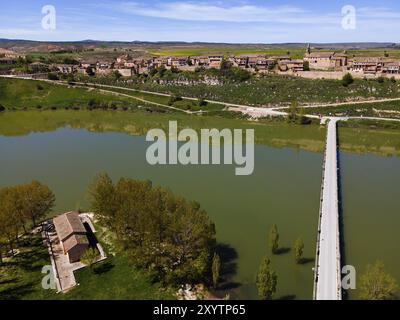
(155, 242)
(21, 207)
(17, 94)
(137, 122)
(115, 278)
(174, 240)
(370, 136)
(387, 109)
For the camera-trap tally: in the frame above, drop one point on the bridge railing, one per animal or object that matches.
(316, 267)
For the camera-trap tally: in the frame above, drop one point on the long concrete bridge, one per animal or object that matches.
(327, 279)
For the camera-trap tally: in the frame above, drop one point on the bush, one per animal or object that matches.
(380, 79)
(347, 80)
(52, 76)
(2, 108)
(201, 102)
(173, 99)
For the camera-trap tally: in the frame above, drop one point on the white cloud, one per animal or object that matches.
(191, 11)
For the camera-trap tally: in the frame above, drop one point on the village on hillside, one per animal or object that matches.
(315, 64)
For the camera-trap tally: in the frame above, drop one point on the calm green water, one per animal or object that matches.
(284, 190)
(371, 212)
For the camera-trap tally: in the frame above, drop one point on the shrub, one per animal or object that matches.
(201, 102)
(380, 79)
(2, 108)
(347, 80)
(52, 76)
(173, 99)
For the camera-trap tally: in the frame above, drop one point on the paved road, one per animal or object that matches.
(338, 104)
(328, 269)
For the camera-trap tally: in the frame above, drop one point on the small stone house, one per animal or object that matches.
(72, 235)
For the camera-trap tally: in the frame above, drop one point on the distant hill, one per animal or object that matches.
(21, 45)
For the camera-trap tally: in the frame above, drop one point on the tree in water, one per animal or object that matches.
(376, 284)
(274, 239)
(298, 250)
(266, 280)
(216, 269)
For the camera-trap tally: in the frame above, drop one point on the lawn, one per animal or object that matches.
(21, 277)
(115, 278)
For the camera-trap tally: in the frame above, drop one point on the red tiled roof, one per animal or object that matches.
(68, 224)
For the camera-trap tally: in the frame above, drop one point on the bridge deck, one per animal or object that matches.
(328, 269)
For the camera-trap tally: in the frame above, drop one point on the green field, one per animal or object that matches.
(226, 50)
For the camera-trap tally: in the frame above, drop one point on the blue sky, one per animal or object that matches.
(233, 21)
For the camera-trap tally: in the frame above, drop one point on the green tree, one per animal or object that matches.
(266, 280)
(274, 239)
(52, 76)
(89, 257)
(90, 71)
(201, 102)
(103, 196)
(37, 200)
(117, 75)
(170, 237)
(10, 222)
(293, 111)
(306, 66)
(302, 119)
(298, 250)
(347, 80)
(376, 284)
(216, 269)
(70, 78)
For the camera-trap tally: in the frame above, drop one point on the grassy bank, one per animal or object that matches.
(272, 133)
(115, 278)
(268, 90)
(387, 109)
(179, 102)
(18, 94)
(369, 136)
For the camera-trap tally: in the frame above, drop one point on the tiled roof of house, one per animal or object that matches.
(75, 240)
(68, 224)
(320, 55)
